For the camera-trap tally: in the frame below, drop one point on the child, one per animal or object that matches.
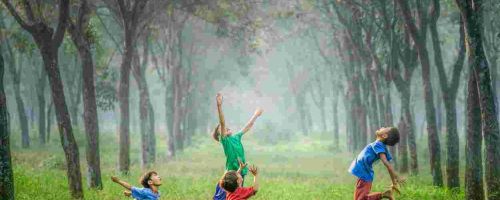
(150, 180)
(232, 183)
(233, 149)
(361, 167)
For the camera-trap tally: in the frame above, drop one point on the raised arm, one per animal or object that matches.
(122, 183)
(250, 123)
(222, 122)
(253, 169)
(394, 177)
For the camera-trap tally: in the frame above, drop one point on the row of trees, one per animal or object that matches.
(383, 43)
(93, 29)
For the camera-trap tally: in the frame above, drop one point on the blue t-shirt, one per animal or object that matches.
(362, 166)
(144, 194)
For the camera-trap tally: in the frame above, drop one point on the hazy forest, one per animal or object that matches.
(91, 89)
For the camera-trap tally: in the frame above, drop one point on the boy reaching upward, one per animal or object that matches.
(232, 183)
(361, 167)
(231, 143)
(150, 180)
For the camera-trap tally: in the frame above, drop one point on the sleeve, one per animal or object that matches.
(379, 148)
(247, 192)
(137, 193)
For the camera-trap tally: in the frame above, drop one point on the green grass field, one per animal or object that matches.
(304, 168)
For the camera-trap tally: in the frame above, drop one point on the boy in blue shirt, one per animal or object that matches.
(362, 168)
(150, 180)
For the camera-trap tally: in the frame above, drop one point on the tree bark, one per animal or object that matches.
(21, 110)
(90, 117)
(474, 162)
(478, 64)
(433, 136)
(449, 92)
(7, 177)
(42, 81)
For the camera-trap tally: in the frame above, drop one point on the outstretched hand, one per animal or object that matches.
(397, 184)
(242, 165)
(253, 169)
(115, 179)
(258, 112)
(219, 98)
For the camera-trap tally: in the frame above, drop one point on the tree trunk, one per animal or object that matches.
(472, 16)
(76, 100)
(7, 177)
(23, 119)
(42, 80)
(449, 92)
(474, 162)
(335, 119)
(63, 119)
(152, 135)
(123, 92)
(433, 136)
(144, 104)
(49, 120)
(90, 117)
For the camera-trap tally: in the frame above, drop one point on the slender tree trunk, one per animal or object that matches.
(76, 101)
(42, 81)
(23, 119)
(472, 16)
(68, 142)
(433, 136)
(169, 99)
(335, 119)
(7, 177)
(49, 120)
(90, 117)
(152, 135)
(123, 92)
(473, 165)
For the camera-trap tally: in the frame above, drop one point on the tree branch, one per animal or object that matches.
(62, 24)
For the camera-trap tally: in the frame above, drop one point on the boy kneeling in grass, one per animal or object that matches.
(232, 183)
(361, 167)
(150, 180)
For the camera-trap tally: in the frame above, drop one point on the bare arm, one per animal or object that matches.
(255, 174)
(390, 169)
(222, 122)
(250, 123)
(122, 183)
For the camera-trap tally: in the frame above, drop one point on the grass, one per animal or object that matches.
(305, 168)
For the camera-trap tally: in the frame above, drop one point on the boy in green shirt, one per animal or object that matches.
(233, 149)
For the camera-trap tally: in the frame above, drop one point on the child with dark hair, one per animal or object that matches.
(150, 182)
(232, 183)
(233, 148)
(361, 167)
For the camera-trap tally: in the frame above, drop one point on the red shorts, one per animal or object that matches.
(362, 191)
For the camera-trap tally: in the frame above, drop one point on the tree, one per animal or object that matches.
(471, 13)
(7, 178)
(473, 156)
(48, 41)
(130, 14)
(15, 66)
(418, 36)
(81, 34)
(449, 91)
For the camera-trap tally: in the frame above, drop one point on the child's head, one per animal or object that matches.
(217, 131)
(150, 178)
(231, 181)
(388, 135)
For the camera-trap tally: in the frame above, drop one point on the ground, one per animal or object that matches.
(304, 168)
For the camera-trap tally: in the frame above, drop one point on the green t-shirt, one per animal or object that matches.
(233, 149)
